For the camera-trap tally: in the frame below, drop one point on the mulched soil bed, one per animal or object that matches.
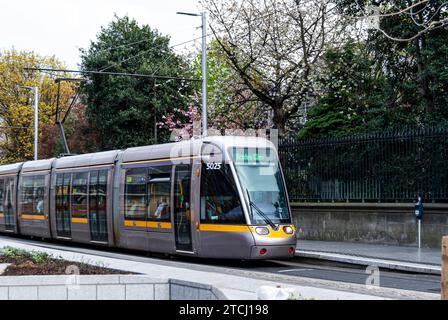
(23, 266)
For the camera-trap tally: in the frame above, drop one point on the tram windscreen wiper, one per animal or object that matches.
(261, 213)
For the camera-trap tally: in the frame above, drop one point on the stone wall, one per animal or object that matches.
(381, 223)
(104, 287)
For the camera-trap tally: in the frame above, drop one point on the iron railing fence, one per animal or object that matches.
(390, 166)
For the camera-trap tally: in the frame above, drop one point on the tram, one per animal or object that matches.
(213, 197)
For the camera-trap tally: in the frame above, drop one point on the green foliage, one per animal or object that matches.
(16, 111)
(123, 108)
(14, 253)
(379, 83)
(416, 70)
(38, 257)
(230, 104)
(352, 96)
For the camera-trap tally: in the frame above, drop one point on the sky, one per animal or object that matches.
(61, 27)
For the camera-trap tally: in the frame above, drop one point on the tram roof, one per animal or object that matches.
(38, 165)
(11, 168)
(162, 151)
(191, 147)
(91, 159)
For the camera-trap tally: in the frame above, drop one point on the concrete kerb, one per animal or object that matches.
(203, 290)
(364, 261)
(104, 287)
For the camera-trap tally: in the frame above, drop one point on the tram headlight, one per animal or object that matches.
(288, 230)
(262, 231)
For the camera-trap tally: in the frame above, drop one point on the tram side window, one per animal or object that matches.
(98, 192)
(182, 190)
(59, 193)
(2, 195)
(33, 190)
(220, 203)
(135, 194)
(102, 191)
(39, 193)
(9, 187)
(159, 189)
(63, 194)
(79, 195)
(27, 195)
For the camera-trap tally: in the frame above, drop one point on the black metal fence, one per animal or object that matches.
(391, 166)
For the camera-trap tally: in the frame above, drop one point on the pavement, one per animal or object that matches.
(235, 284)
(409, 259)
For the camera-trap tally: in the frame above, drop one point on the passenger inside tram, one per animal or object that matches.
(162, 211)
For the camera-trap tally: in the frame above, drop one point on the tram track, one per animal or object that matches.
(298, 271)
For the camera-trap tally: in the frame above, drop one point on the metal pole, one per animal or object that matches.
(419, 234)
(36, 117)
(204, 75)
(36, 121)
(155, 112)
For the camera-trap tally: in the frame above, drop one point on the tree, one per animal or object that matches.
(183, 124)
(125, 110)
(408, 47)
(421, 16)
(353, 93)
(82, 137)
(275, 48)
(231, 105)
(16, 112)
(394, 76)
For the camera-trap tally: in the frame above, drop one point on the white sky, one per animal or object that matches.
(61, 27)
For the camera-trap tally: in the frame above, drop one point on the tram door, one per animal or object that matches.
(63, 219)
(182, 208)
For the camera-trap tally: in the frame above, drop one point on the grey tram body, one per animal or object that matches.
(156, 237)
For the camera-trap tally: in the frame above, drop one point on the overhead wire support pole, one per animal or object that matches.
(36, 121)
(204, 75)
(203, 15)
(60, 123)
(36, 118)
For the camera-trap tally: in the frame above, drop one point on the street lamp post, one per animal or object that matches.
(36, 117)
(204, 68)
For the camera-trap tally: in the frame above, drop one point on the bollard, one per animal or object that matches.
(445, 268)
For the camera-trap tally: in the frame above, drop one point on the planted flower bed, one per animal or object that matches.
(24, 263)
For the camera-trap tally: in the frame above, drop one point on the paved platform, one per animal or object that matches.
(390, 257)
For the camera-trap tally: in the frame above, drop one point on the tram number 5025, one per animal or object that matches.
(214, 166)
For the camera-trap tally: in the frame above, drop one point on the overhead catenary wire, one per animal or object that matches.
(200, 37)
(138, 75)
(143, 52)
(14, 127)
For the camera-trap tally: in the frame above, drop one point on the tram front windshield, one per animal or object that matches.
(261, 180)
